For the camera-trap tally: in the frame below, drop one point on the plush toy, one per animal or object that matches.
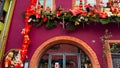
(9, 60)
(18, 62)
(13, 59)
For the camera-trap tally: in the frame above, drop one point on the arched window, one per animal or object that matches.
(64, 55)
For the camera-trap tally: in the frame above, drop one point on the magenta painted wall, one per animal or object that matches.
(66, 4)
(41, 34)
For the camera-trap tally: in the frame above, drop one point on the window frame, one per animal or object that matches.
(108, 55)
(85, 2)
(73, 4)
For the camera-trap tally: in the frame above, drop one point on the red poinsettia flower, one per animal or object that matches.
(88, 6)
(84, 13)
(33, 1)
(45, 19)
(76, 11)
(27, 10)
(24, 46)
(80, 0)
(28, 26)
(32, 11)
(25, 31)
(80, 7)
(26, 19)
(58, 13)
(27, 14)
(26, 40)
(103, 15)
(23, 53)
(95, 11)
(38, 15)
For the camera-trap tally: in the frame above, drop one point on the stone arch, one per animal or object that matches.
(64, 39)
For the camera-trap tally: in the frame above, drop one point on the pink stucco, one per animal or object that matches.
(88, 34)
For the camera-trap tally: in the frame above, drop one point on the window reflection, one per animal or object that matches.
(105, 3)
(77, 3)
(91, 2)
(115, 53)
(41, 2)
(47, 3)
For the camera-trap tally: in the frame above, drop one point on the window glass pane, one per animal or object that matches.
(49, 3)
(91, 2)
(41, 2)
(105, 3)
(77, 2)
(72, 61)
(57, 61)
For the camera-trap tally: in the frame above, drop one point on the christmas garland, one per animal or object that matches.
(70, 19)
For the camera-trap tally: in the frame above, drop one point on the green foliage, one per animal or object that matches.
(105, 21)
(50, 23)
(117, 19)
(52, 20)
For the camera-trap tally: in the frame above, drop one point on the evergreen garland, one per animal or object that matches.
(72, 18)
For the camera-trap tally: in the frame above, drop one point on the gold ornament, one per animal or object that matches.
(86, 19)
(77, 23)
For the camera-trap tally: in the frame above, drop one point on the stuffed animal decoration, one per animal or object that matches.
(13, 59)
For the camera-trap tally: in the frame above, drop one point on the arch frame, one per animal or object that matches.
(64, 39)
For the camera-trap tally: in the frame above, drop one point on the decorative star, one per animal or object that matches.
(106, 36)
